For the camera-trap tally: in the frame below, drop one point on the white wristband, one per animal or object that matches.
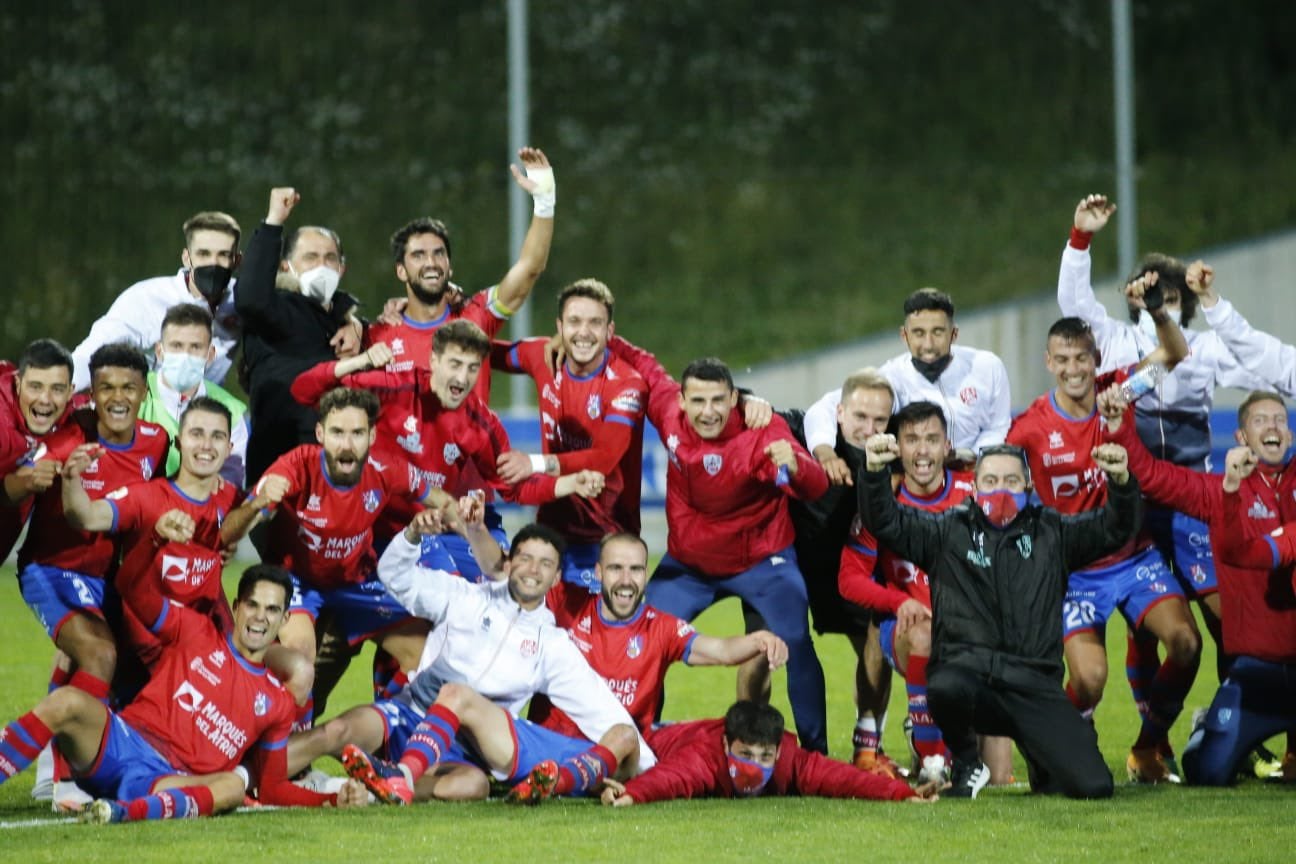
(546, 192)
(537, 463)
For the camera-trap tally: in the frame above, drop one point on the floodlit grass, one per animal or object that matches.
(1249, 823)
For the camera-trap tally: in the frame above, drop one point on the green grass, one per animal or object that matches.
(1249, 823)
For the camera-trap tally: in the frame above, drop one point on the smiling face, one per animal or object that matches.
(623, 572)
(454, 374)
(584, 329)
(1264, 429)
(1073, 364)
(257, 619)
(863, 413)
(43, 396)
(346, 436)
(928, 333)
(707, 404)
(425, 269)
(204, 443)
(923, 450)
(534, 567)
(117, 392)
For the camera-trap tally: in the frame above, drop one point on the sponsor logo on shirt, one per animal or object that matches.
(224, 734)
(594, 406)
(313, 541)
(623, 689)
(634, 646)
(1059, 459)
(420, 479)
(1066, 485)
(198, 666)
(551, 397)
(712, 463)
(629, 402)
(148, 431)
(175, 569)
(117, 494)
(188, 697)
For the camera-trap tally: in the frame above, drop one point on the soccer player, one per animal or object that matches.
(178, 750)
(1253, 499)
(183, 354)
(999, 571)
(726, 509)
(1058, 432)
(494, 646)
(970, 384)
(630, 644)
(207, 264)
(591, 416)
(748, 754)
(879, 580)
(421, 250)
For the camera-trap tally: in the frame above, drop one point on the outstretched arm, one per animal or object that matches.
(1259, 353)
(713, 651)
(538, 182)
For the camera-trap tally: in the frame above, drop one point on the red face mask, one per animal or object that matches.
(1001, 506)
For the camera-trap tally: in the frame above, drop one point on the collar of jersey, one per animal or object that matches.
(180, 492)
(597, 372)
(120, 448)
(940, 495)
(254, 668)
(329, 480)
(613, 622)
(427, 325)
(1057, 409)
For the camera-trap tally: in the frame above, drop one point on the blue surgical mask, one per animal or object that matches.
(749, 777)
(182, 371)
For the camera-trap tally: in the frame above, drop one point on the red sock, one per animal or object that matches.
(20, 743)
(59, 678)
(187, 802)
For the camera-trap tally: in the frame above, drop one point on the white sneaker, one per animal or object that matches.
(43, 790)
(933, 770)
(318, 781)
(68, 797)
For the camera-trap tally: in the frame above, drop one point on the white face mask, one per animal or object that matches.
(1148, 326)
(182, 371)
(319, 283)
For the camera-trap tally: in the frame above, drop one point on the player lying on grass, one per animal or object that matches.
(745, 754)
(179, 749)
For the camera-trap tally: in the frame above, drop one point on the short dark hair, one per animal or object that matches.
(543, 533)
(290, 244)
(258, 573)
(119, 355)
(1171, 273)
(1252, 398)
(211, 220)
(210, 406)
(927, 300)
(707, 369)
(462, 333)
(340, 398)
(1073, 329)
(46, 354)
(753, 723)
(187, 315)
(918, 412)
(590, 289)
(421, 225)
(1004, 450)
(621, 537)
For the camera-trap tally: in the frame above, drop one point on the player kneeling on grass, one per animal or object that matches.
(178, 750)
(745, 754)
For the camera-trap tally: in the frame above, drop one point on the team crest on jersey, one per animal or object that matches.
(594, 406)
(313, 502)
(371, 500)
(529, 648)
(450, 452)
(1198, 573)
(1024, 545)
(175, 569)
(261, 704)
(1055, 440)
(634, 646)
(968, 395)
(117, 494)
(713, 462)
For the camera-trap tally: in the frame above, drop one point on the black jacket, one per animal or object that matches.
(284, 334)
(997, 592)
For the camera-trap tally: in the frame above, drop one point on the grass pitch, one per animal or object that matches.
(1251, 822)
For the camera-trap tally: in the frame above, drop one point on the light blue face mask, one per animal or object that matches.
(182, 371)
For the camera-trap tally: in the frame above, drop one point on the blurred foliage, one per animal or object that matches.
(751, 182)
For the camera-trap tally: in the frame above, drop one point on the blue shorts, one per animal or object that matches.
(886, 637)
(127, 766)
(1133, 586)
(361, 611)
(1185, 543)
(55, 595)
(534, 744)
(400, 719)
(461, 553)
(578, 566)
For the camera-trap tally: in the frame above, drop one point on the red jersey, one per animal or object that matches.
(691, 763)
(411, 341)
(436, 444)
(592, 421)
(630, 656)
(51, 541)
(726, 502)
(861, 581)
(1058, 449)
(1257, 605)
(323, 534)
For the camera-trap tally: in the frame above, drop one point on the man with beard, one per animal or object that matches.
(326, 498)
(630, 644)
(591, 416)
(289, 329)
(208, 260)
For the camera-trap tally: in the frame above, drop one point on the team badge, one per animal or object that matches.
(371, 500)
(450, 452)
(968, 395)
(712, 462)
(634, 646)
(1024, 545)
(146, 468)
(529, 648)
(594, 407)
(1225, 715)
(1198, 574)
(261, 704)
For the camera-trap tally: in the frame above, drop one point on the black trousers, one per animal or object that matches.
(1060, 746)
